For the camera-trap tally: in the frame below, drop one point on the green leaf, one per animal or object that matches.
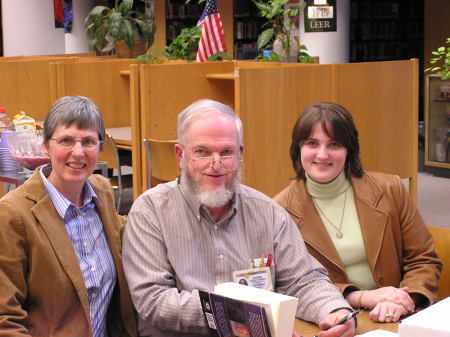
(109, 46)
(264, 8)
(128, 34)
(125, 6)
(265, 37)
(274, 57)
(275, 10)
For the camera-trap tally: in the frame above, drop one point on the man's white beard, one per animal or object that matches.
(210, 199)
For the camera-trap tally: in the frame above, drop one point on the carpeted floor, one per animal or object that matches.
(434, 199)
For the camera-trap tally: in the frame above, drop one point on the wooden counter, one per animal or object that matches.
(306, 329)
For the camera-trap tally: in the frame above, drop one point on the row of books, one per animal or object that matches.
(183, 11)
(385, 30)
(394, 9)
(385, 50)
(244, 8)
(247, 30)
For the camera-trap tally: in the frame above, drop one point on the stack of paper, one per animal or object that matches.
(432, 321)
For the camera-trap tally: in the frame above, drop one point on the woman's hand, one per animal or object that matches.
(370, 298)
(387, 312)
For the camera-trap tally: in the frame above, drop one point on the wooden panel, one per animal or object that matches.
(169, 88)
(227, 17)
(270, 102)
(441, 237)
(160, 21)
(382, 97)
(101, 81)
(26, 86)
(135, 106)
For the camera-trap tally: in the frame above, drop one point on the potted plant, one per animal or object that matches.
(279, 32)
(105, 27)
(183, 47)
(441, 61)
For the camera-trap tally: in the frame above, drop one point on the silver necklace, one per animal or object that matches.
(339, 233)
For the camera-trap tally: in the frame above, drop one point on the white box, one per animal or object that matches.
(433, 321)
(280, 309)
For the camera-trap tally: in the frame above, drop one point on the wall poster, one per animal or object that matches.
(320, 16)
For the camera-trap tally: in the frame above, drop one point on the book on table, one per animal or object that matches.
(238, 310)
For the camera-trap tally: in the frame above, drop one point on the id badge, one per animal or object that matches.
(255, 277)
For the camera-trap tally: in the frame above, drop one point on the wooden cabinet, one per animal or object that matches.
(437, 122)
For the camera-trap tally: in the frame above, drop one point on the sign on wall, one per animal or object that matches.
(320, 16)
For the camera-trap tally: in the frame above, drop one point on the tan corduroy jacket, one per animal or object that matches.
(42, 290)
(399, 248)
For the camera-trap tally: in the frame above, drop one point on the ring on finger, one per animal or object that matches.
(389, 314)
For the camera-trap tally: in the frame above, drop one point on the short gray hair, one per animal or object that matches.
(204, 107)
(78, 110)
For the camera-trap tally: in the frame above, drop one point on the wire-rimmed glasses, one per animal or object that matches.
(228, 163)
(67, 143)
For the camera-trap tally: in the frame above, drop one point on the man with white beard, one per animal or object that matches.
(193, 233)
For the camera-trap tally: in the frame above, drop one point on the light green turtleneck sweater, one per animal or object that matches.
(330, 199)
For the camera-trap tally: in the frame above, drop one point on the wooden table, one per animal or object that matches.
(122, 137)
(306, 329)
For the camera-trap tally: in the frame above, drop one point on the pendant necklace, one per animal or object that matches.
(339, 233)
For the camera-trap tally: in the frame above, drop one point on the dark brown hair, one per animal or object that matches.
(338, 124)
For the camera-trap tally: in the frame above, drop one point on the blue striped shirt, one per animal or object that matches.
(91, 247)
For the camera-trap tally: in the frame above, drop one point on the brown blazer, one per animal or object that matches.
(42, 290)
(399, 248)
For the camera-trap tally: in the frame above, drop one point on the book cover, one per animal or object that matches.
(227, 317)
(280, 309)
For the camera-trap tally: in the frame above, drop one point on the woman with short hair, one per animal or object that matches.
(60, 260)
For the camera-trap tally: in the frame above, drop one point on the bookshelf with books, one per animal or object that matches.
(386, 30)
(180, 15)
(247, 25)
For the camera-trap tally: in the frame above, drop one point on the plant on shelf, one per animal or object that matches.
(185, 45)
(278, 32)
(105, 26)
(302, 56)
(441, 61)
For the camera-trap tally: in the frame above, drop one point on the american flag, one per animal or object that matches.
(212, 39)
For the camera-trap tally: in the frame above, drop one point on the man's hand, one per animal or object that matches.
(345, 330)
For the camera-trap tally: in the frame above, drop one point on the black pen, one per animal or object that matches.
(343, 320)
